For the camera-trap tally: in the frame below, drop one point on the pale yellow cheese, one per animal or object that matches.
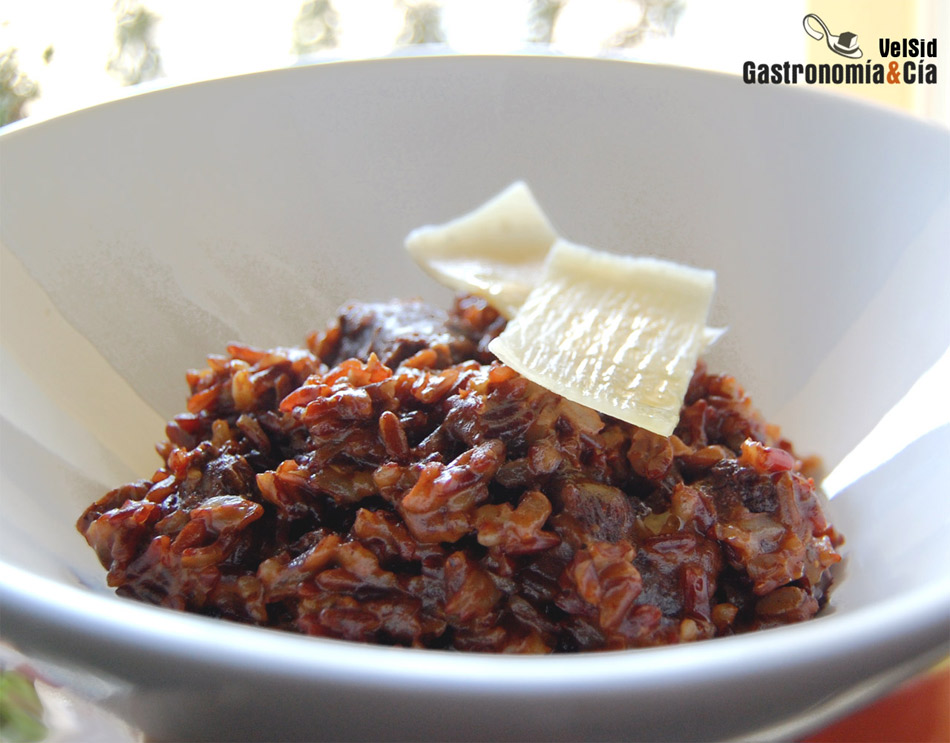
(618, 334)
(495, 252)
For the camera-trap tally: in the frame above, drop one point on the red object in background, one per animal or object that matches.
(918, 712)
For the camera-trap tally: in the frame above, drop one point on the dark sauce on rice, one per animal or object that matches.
(392, 482)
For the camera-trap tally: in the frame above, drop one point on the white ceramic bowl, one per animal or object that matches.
(142, 234)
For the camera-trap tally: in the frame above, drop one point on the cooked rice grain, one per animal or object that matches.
(394, 483)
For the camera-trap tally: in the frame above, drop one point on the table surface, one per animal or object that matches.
(917, 712)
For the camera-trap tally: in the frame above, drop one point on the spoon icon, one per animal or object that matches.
(846, 44)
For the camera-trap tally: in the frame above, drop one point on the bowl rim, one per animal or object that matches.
(230, 645)
(442, 55)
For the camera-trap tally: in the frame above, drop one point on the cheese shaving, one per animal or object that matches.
(618, 334)
(495, 252)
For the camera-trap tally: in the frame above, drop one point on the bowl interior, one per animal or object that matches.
(143, 234)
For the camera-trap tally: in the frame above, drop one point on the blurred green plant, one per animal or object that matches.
(315, 27)
(135, 57)
(657, 18)
(21, 711)
(422, 23)
(16, 88)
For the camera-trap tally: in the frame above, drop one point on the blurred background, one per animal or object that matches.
(60, 55)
